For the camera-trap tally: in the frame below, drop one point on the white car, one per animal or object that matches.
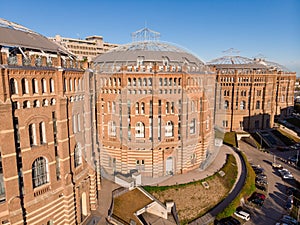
(287, 175)
(242, 214)
(283, 171)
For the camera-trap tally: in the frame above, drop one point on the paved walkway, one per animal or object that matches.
(98, 216)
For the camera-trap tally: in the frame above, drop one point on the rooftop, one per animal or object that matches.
(15, 35)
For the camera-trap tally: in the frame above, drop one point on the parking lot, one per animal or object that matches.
(274, 206)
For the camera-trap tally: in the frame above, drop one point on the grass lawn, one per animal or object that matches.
(230, 139)
(192, 199)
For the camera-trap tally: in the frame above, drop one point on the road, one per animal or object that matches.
(273, 208)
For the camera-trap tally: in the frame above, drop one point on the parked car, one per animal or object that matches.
(259, 195)
(289, 219)
(288, 206)
(277, 166)
(283, 171)
(242, 214)
(291, 190)
(229, 221)
(261, 187)
(257, 201)
(261, 181)
(287, 175)
(261, 176)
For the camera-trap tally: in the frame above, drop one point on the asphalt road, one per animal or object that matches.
(273, 208)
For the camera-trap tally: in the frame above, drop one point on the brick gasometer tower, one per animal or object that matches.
(155, 108)
(253, 92)
(47, 154)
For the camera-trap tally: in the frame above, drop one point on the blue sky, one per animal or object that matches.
(205, 27)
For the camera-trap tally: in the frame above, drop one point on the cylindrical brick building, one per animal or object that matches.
(155, 105)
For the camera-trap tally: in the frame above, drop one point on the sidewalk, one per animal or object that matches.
(193, 175)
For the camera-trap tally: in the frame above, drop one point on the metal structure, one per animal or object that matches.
(145, 34)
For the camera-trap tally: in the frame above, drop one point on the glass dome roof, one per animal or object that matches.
(240, 61)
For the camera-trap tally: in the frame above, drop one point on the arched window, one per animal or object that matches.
(78, 122)
(243, 105)
(149, 81)
(193, 106)
(26, 104)
(113, 107)
(129, 82)
(167, 107)
(139, 82)
(32, 134)
(139, 130)
(51, 85)
(79, 85)
(165, 81)
(112, 131)
(35, 86)
(45, 102)
(193, 126)
(137, 110)
(25, 89)
(145, 82)
(44, 85)
(169, 129)
(42, 132)
(40, 172)
(134, 82)
(13, 86)
(207, 122)
(53, 101)
(70, 85)
(226, 104)
(257, 106)
(36, 103)
(77, 155)
(160, 82)
(142, 108)
(65, 85)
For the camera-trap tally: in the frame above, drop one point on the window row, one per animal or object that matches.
(36, 103)
(35, 86)
(140, 129)
(76, 123)
(170, 81)
(73, 84)
(33, 137)
(243, 105)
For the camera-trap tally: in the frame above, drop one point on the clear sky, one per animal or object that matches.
(205, 27)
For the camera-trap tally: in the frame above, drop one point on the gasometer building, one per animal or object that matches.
(155, 108)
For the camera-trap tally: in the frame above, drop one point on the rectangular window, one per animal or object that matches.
(2, 188)
(32, 134)
(159, 128)
(42, 132)
(74, 123)
(150, 128)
